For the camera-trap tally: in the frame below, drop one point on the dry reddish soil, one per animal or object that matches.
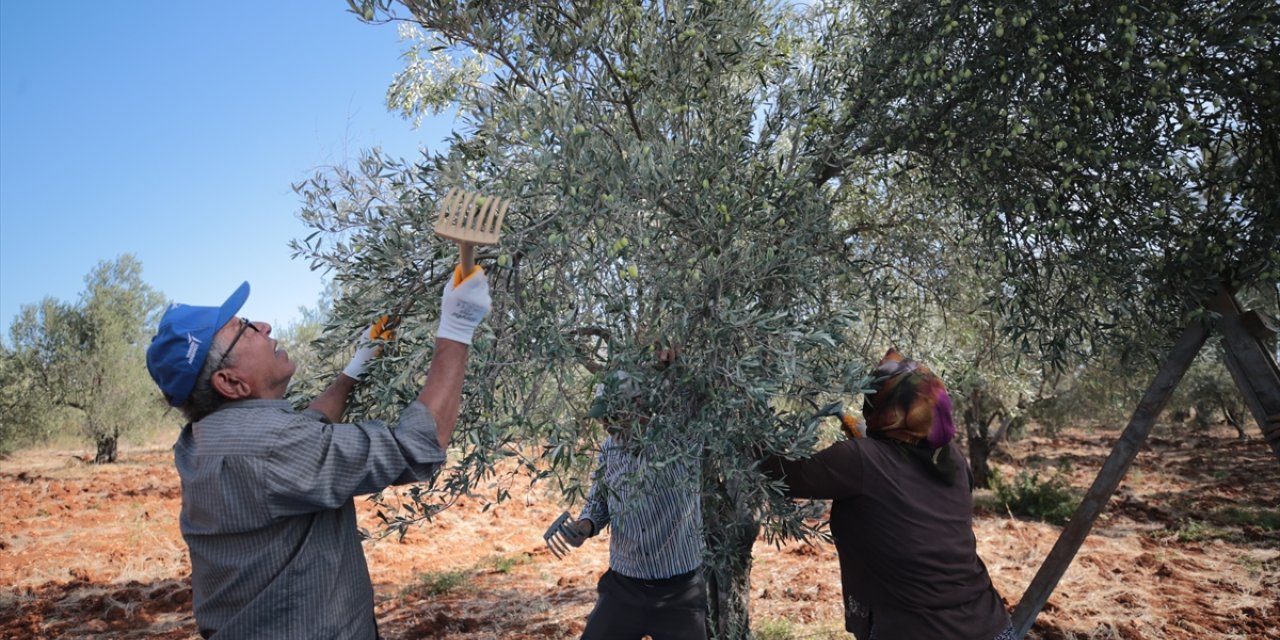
(94, 551)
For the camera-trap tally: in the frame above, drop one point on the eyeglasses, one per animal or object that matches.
(245, 324)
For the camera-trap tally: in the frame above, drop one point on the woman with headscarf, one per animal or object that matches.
(901, 515)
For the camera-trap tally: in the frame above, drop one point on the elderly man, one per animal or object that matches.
(267, 491)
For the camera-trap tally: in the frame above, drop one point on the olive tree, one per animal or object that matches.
(23, 418)
(87, 360)
(1119, 158)
(930, 299)
(664, 197)
(713, 174)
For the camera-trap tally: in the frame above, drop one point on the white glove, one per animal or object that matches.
(466, 302)
(366, 352)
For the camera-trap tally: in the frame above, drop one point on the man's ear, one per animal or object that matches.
(229, 384)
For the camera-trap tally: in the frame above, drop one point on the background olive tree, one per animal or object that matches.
(85, 363)
(1119, 158)
(931, 300)
(24, 420)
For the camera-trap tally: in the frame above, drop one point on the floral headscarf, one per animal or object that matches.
(910, 405)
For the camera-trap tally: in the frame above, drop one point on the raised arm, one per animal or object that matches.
(442, 392)
(332, 402)
(833, 473)
(465, 303)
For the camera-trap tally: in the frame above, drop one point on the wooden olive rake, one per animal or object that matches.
(470, 219)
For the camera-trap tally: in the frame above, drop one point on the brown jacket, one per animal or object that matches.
(909, 565)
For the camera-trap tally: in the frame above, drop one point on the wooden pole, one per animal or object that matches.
(1113, 470)
(1252, 367)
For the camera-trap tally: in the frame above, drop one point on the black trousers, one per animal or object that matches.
(628, 608)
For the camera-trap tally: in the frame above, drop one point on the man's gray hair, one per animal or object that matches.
(204, 399)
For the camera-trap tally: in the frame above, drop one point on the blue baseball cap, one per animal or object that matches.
(182, 341)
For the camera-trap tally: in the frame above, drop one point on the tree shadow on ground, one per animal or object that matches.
(88, 609)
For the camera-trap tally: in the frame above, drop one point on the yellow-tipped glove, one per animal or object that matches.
(466, 302)
(382, 330)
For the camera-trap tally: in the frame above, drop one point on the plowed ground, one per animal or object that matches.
(1188, 548)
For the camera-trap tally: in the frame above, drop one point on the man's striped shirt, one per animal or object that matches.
(268, 515)
(651, 502)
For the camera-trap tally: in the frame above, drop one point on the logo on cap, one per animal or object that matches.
(193, 345)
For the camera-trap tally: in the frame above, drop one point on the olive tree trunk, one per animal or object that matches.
(731, 531)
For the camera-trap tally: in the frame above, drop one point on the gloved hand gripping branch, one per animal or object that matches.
(848, 423)
(382, 330)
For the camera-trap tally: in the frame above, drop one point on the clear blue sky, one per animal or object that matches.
(173, 131)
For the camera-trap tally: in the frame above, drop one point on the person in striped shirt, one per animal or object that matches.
(648, 493)
(267, 490)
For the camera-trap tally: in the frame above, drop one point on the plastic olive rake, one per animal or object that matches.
(470, 219)
(557, 537)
